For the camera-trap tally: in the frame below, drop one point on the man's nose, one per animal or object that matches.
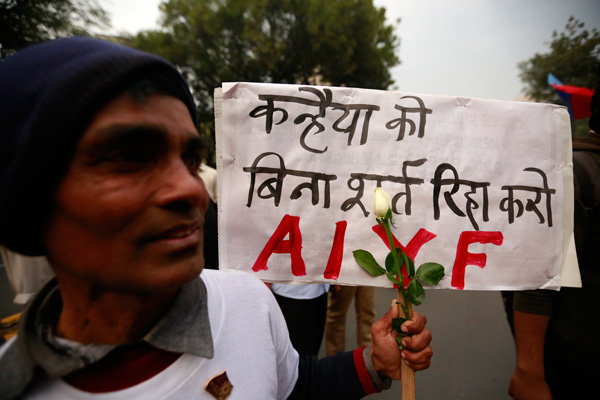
(182, 188)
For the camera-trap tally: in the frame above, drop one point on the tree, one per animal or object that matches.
(573, 58)
(25, 22)
(341, 42)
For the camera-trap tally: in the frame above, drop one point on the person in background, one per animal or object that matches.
(304, 308)
(132, 313)
(211, 220)
(208, 174)
(339, 302)
(556, 333)
(26, 275)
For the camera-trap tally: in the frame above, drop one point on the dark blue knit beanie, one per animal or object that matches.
(48, 95)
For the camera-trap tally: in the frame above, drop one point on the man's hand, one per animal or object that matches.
(387, 357)
(527, 385)
(527, 381)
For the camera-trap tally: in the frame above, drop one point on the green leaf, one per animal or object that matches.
(399, 341)
(367, 262)
(397, 323)
(390, 265)
(410, 265)
(393, 278)
(430, 273)
(415, 292)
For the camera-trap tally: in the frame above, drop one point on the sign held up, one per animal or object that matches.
(482, 187)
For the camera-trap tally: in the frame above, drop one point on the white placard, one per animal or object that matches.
(483, 187)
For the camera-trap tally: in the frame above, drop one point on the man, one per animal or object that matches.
(556, 333)
(208, 174)
(304, 308)
(337, 308)
(119, 215)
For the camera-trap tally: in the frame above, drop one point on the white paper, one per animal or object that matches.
(288, 150)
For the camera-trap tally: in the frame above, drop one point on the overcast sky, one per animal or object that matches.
(464, 48)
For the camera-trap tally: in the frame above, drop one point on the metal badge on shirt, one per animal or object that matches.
(219, 386)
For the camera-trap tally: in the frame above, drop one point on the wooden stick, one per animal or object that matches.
(407, 374)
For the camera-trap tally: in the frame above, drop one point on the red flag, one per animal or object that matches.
(576, 98)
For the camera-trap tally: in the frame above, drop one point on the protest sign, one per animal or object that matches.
(483, 187)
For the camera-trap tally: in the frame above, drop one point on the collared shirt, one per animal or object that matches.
(183, 329)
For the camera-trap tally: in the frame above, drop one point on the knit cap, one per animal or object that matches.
(49, 93)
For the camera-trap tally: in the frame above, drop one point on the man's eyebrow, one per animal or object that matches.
(116, 136)
(195, 143)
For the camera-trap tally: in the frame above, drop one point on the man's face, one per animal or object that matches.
(129, 213)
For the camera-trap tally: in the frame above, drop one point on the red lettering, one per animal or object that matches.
(334, 264)
(289, 225)
(464, 258)
(412, 248)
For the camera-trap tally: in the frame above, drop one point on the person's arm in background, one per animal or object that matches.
(531, 315)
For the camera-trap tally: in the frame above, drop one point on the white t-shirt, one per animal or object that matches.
(300, 292)
(251, 344)
(26, 275)
(209, 177)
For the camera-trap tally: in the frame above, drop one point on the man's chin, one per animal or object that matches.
(173, 276)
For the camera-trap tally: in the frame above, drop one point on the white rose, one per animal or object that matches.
(382, 202)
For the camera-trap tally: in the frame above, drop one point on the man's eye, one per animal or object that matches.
(129, 159)
(133, 157)
(192, 161)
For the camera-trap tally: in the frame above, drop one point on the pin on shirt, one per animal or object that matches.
(219, 386)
